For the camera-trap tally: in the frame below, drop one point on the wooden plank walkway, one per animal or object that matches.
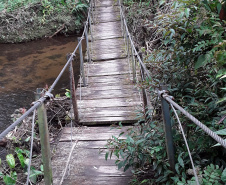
(110, 97)
(87, 165)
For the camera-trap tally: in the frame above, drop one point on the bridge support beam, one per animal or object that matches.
(44, 140)
(168, 131)
(82, 73)
(73, 91)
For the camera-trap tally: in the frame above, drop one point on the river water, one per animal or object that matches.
(27, 66)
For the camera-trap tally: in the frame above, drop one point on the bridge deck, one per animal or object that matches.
(110, 96)
(87, 165)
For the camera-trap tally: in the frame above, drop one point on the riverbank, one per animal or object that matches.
(23, 21)
(14, 171)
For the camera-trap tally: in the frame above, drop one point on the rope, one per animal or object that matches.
(186, 143)
(11, 127)
(31, 148)
(70, 69)
(69, 158)
(197, 122)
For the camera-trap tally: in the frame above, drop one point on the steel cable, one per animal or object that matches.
(31, 147)
(186, 143)
(197, 122)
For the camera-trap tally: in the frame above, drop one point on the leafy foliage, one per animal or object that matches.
(184, 47)
(22, 155)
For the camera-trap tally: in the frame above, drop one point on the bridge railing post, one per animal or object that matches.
(73, 91)
(144, 92)
(87, 45)
(44, 140)
(82, 72)
(127, 43)
(90, 28)
(133, 65)
(168, 131)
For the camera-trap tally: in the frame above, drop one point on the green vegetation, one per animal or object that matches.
(25, 20)
(21, 162)
(183, 45)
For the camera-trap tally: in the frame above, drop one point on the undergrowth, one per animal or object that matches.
(183, 45)
(25, 20)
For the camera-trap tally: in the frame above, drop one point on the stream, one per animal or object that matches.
(27, 66)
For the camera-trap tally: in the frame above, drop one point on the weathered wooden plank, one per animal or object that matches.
(104, 113)
(135, 109)
(111, 83)
(111, 43)
(89, 130)
(107, 35)
(114, 102)
(102, 51)
(106, 3)
(95, 181)
(107, 17)
(114, 66)
(87, 137)
(112, 78)
(107, 74)
(108, 56)
(92, 157)
(94, 171)
(104, 27)
(88, 94)
(128, 87)
(82, 144)
(102, 9)
(107, 121)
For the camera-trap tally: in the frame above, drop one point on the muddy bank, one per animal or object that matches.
(37, 20)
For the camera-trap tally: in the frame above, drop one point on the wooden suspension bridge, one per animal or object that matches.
(109, 97)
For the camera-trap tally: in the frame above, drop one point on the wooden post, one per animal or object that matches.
(127, 43)
(44, 140)
(73, 92)
(133, 65)
(87, 45)
(94, 4)
(90, 28)
(81, 63)
(168, 131)
(145, 99)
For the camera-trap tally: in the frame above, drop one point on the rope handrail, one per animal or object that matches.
(194, 120)
(47, 94)
(165, 96)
